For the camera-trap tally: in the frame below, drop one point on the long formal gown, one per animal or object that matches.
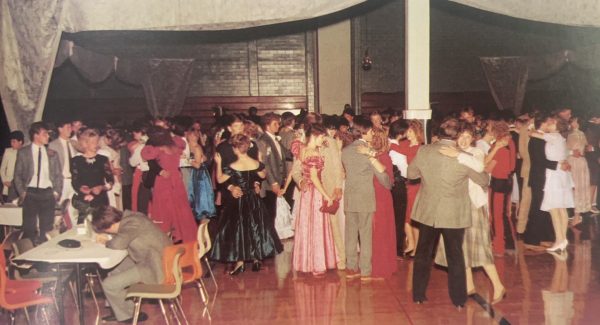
(202, 193)
(580, 171)
(384, 227)
(314, 248)
(244, 233)
(170, 207)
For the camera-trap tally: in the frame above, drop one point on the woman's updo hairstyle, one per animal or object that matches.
(241, 142)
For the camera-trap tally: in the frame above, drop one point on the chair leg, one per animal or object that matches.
(12, 317)
(27, 315)
(74, 295)
(163, 311)
(174, 311)
(90, 282)
(212, 275)
(202, 291)
(181, 311)
(136, 313)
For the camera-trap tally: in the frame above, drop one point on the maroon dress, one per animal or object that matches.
(412, 187)
(384, 227)
(170, 208)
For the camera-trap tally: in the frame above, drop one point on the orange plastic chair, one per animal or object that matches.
(16, 295)
(190, 267)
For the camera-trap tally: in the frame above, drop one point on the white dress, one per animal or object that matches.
(558, 190)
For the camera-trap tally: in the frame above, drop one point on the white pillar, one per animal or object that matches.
(417, 60)
(335, 67)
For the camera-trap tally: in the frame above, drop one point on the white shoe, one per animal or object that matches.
(558, 246)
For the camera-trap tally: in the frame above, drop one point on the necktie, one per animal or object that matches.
(39, 165)
(68, 162)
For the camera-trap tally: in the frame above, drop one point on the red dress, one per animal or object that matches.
(384, 229)
(411, 189)
(170, 207)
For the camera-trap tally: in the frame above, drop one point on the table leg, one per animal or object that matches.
(59, 297)
(79, 293)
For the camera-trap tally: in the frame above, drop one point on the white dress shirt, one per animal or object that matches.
(66, 146)
(44, 172)
(399, 160)
(277, 144)
(483, 146)
(136, 159)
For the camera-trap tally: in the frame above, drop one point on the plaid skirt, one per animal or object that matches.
(477, 244)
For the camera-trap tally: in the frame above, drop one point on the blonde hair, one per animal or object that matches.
(84, 136)
(417, 128)
(380, 142)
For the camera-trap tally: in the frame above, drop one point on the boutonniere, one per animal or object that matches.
(268, 151)
(278, 138)
(90, 160)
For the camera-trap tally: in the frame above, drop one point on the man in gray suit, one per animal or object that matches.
(273, 155)
(64, 146)
(442, 207)
(359, 198)
(144, 242)
(38, 181)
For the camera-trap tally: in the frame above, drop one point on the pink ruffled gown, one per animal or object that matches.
(314, 249)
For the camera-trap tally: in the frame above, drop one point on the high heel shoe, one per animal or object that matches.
(239, 269)
(256, 266)
(500, 297)
(558, 246)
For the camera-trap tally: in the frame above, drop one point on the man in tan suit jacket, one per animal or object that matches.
(442, 207)
(525, 202)
(359, 199)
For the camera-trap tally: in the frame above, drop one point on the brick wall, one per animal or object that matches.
(274, 66)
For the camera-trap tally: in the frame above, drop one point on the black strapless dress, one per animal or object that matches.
(244, 233)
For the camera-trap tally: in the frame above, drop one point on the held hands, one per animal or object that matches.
(7, 184)
(164, 173)
(449, 151)
(276, 189)
(565, 166)
(236, 192)
(500, 143)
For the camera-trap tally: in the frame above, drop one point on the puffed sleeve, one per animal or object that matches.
(150, 152)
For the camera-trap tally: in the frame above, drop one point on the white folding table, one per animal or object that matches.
(90, 252)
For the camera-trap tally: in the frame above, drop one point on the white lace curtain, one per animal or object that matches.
(507, 76)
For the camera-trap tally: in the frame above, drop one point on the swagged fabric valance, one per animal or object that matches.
(508, 76)
(30, 33)
(165, 81)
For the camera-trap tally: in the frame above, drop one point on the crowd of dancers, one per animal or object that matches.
(352, 192)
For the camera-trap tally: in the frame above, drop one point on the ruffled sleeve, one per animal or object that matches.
(150, 152)
(314, 162)
(296, 147)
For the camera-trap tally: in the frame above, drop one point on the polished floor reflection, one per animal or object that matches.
(541, 288)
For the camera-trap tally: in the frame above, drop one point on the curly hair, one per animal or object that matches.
(417, 127)
(380, 142)
(500, 129)
(241, 142)
(160, 137)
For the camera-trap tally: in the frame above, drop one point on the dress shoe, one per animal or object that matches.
(239, 269)
(256, 266)
(111, 319)
(501, 296)
(351, 274)
(471, 293)
(558, 246)
(366, 278)
(419, 301)
(459, 307)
